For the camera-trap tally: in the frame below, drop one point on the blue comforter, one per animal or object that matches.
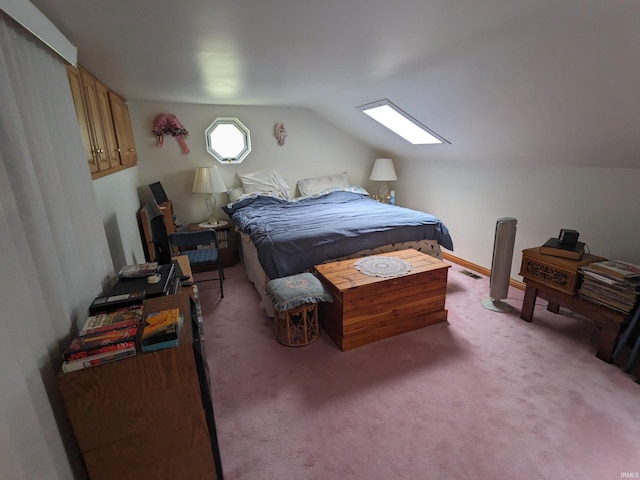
(292, 236)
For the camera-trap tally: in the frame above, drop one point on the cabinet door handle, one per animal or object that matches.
(131, 149)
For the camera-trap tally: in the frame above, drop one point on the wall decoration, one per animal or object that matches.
(168, 124)
(280, 133)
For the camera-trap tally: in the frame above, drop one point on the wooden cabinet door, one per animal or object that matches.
(124, 132)
(108, 130)
(92, 105)
(83, 122)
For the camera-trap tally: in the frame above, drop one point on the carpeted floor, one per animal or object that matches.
(483, 396)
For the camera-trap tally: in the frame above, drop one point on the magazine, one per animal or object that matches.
(138, 270)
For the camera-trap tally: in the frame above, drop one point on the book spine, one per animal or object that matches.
(159, 346)
(98, 340)
(69, 355)
(111, 326)
(82, 364)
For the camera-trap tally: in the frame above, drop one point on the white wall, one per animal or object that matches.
(118, 202)
(313, 147)
(599, 203)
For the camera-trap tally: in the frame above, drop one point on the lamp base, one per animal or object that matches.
(384, 191)
(212, 222)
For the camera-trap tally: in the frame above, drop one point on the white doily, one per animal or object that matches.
(380, 266)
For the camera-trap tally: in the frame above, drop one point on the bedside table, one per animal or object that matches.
(226, 239)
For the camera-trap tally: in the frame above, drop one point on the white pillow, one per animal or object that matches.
(265, 181)
(313, 186)
(235, 194)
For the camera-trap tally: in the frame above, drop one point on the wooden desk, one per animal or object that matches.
(557, 280)
(148, 416)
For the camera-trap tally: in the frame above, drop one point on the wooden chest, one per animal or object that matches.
(369, 308)
(555, 272)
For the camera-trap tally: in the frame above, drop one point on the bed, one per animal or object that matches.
(282, 237)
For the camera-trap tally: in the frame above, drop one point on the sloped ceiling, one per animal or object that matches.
(506, 82)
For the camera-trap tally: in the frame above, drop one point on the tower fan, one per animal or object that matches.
(503, 242)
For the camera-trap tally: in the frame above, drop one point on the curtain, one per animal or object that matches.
(55, 256)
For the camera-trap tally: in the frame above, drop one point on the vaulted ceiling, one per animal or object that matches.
(507, 82)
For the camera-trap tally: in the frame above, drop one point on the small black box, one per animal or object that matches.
(114, 302)
(568, 237)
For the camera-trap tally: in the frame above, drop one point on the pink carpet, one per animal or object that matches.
(484, 396)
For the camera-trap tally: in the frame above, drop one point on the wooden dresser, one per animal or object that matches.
(148, 416)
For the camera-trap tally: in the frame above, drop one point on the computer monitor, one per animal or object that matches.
(158, 192)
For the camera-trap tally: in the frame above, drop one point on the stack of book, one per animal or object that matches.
(612, 283)
(161, 330)
(104, 338)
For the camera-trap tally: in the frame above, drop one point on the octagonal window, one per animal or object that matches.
(228, 140)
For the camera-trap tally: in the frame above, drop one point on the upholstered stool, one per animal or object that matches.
(295, 303)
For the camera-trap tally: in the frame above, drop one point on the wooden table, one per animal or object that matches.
(368, 308)
(608, 320)
(557, 280)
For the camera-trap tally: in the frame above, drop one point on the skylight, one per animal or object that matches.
(401, 123)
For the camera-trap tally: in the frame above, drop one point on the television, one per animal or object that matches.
(158, 231)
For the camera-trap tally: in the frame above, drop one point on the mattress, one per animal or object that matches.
(291, 236)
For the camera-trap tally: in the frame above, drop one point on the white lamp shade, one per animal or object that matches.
(383, 171)
(208, 180)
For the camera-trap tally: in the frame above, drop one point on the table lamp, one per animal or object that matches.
(383, 171)
(209, 181)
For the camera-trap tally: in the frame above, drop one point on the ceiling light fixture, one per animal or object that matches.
(401, 123)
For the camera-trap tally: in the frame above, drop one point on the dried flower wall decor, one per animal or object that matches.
(168, 124)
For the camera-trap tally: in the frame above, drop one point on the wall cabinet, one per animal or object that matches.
(104, 123)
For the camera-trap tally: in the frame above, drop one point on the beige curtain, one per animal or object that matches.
(54, 252)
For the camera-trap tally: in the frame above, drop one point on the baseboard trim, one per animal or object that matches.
(477, 268)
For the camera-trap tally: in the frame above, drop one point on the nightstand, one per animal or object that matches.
(226, 240)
